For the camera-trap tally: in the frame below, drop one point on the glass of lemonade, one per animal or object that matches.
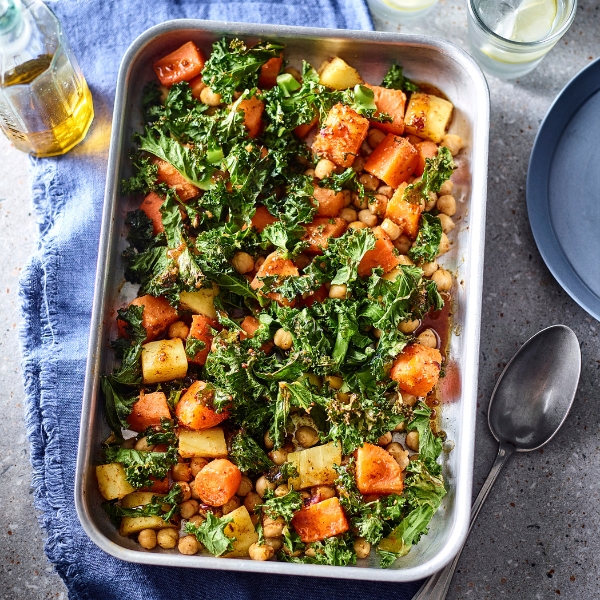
(509, 38)
(401, 12)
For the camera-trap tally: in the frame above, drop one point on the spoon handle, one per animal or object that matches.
(436, 587)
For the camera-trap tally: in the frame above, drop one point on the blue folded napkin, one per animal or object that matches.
(56, 294)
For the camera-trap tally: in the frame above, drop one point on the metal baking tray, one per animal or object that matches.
(424, 59)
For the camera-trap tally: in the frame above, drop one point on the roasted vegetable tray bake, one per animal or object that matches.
(451, 92)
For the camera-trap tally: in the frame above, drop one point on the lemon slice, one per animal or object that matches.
(533, 20)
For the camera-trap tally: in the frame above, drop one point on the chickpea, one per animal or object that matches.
(334, 381)
(348, 214)
(142, 444)
(357, 225)
(229, 506)
(365, 149)
(310, 552)
(242, 262)
(430, 204)
(378, 205)
(370, 182)
(402, 244)
(443, 279)
(262, 485)
(362, 548)
(197, 464)
(347, 197)
(302, 261)
(178, 330)
(181, 472)
(385, 439)
(278, 456)
(375, 137)
(401, 426)
(306, 436)
(283, 339)
(409, 399)
(197, 520)
(294, 73)
(188, 544)
(255, 519)
(273, 528)
(263, 552)
(428, 338)
(403, 259)
(258, 263)
(245, 487)
(377, 333)
(322, 492)
(367, 217)
(208, 97)
(399, 454)
(275, 543)
(305, 495)
(391, 229)
(186, 490)
(407, 327)
(269, 443)
(447, 223)
(282, 490)
(338, 291)
(147, 539)
(447, 205)
(446, 188)
(429, 268)
(412, 440)
(309, 172)
(167, 538)
(193, 492)
(386, 190)
(324, 168)
(360, 203)
(444, 245)
(188, 508)
(359, 164)
(129, 443)
(453, 142)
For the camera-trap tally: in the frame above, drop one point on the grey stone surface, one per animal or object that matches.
(536, 537)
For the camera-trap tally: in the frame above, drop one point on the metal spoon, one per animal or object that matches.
(530, 402)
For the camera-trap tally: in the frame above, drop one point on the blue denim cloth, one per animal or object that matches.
(56, 294)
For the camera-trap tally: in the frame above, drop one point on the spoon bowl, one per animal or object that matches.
(535, 391)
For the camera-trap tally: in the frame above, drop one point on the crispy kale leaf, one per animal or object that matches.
(144, 177)
(427, 244)
(140, 466)
(395, 80)
(283, 506)
(437, 170)
(211, 534)
(248, 455)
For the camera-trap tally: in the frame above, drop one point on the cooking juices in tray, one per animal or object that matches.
(279, 364)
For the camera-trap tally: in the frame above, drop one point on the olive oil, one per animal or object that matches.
(45, 104)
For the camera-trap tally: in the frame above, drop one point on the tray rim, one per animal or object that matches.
(473, 295)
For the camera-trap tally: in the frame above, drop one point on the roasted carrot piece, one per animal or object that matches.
(195, 408)
(320, 230)
(151, 206)
(250, 325)
(278, 266)
(303, 130)
(328, 202)
(201, 330)
(157, 316)
(168, 174)
(148, 411)
(262, 217)
(321, 520)
(426, 149)
(267, 78)
(181, 65)
(393, 161)
(253, 109)
(218, 482)
(417, 369)
(405, 214)
(377, 472)
(393, 103)
(384, 255)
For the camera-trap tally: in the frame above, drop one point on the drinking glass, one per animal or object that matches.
(401, 12)
(509, 38)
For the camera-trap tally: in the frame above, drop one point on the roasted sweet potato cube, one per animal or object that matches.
(183, 64)
(250, 326)
(168, 174)
(426, 149)
(320, 230)
(341, 136)
(159, 486)
(157, 316)
(328, 202)
(275, 265)
(148, 411)
(405, 214)
(417, 369)
(303, 130)
(377, 472)
(195, 408)
(384, 255)
(321, 520)
(253, 109)
(262, 217)
(267, 77)
(392, 102)
(319, 296)
(428, 116)
(151, 207)
(201, 329)
(393, 161)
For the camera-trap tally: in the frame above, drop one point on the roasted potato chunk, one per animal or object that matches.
(428, 116)
(339, 75)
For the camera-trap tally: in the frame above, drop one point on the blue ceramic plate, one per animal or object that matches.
(563, 189)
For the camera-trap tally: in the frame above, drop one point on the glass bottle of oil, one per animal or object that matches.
(45, 104)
